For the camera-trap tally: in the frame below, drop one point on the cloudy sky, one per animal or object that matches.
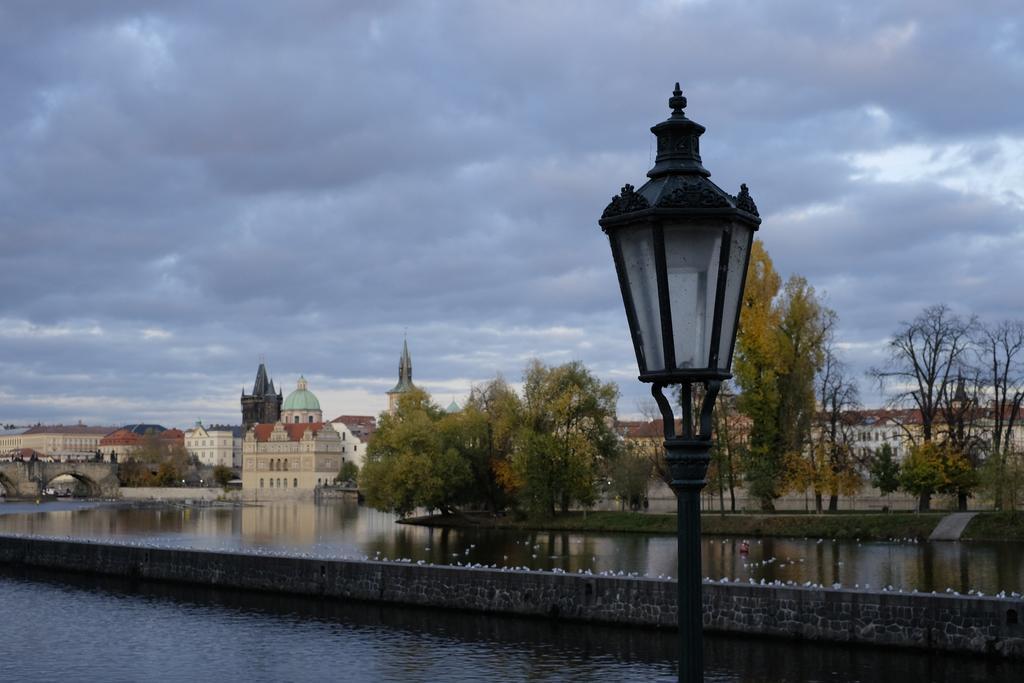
(186, 186)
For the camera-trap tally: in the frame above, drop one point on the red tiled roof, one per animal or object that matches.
(295, 430)
(121, 437)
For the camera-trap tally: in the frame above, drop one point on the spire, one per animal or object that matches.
(405, 366)
(404, 371)
(960, 394)
(262, 384)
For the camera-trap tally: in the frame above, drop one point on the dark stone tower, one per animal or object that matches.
(264, 404)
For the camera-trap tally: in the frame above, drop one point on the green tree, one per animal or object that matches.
(629, 474)
(414, 460)
(885, 471)
(564, 438)
(222, 475)
(349, 472)
(960, 475)
(397, 471)
(483, 432)
(923, 472)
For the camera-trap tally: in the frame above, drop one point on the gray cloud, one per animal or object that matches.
(186, 186)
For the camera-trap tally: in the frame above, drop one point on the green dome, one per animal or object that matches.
(301, 399)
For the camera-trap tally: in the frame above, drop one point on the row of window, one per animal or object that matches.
(870, 452)
(876, 436)
(281, 483)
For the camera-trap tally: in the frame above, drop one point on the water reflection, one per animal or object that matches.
(344, 529)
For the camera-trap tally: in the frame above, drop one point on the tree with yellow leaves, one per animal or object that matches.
(779, 349)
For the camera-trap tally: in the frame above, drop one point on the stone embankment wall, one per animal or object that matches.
(978, 625)
(171, 493)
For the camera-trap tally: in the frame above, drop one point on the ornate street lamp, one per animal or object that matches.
(681, 247)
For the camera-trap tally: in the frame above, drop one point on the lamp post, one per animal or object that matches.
(681, 246)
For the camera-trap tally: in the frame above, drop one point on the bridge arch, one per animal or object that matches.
(92, 489)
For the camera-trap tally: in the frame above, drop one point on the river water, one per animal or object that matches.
(58, 627)
(69, 628)
(344, 529)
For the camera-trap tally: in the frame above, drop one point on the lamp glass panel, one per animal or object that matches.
(739, 254)
(637, 246)
(691, 259)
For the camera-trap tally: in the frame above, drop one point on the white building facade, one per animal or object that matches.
(215, 446)
(352, 447)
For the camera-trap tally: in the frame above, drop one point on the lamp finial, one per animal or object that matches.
(677, 101)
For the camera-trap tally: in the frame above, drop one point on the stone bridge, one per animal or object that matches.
(28, 478)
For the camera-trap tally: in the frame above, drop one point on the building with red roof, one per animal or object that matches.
(290, 459)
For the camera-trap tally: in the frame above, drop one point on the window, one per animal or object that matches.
(296, 419)
(343, 436)
(295, 483)
(261, 483)
(311, 419)
(271, 483)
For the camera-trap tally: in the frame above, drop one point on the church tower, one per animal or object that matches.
(264, 403)
(404, 379)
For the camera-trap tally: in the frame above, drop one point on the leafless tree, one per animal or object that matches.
(1000, 351)
(837, 394)
(925, 356)
(727, 440)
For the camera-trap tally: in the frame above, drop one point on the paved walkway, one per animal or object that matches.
(951, 526)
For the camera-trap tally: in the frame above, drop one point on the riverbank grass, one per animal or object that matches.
(995, 526)
(863, 526)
